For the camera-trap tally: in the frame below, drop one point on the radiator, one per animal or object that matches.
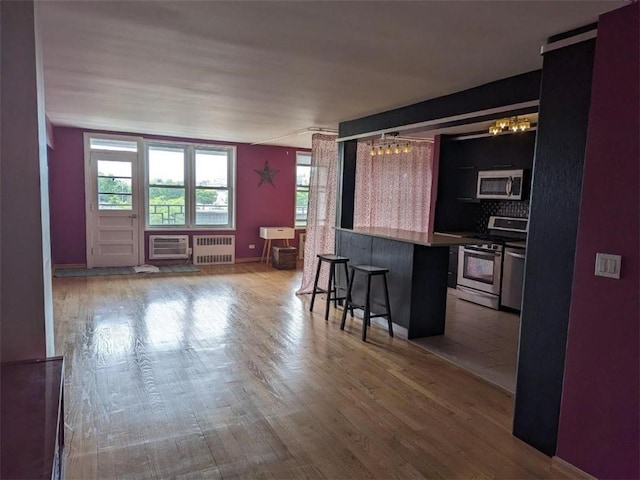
(301, 239)
(162, 247)
(214, 249)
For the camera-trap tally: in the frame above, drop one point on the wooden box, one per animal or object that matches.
(285, 258)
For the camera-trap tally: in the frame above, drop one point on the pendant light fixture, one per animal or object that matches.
(514, 124)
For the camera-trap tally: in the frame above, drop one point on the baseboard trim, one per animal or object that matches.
(70, 265)
(570, 469)
(248, 259)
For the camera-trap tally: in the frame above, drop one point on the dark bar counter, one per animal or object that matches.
(417, 264)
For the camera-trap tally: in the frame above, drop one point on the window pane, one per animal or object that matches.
(211, 168)
(303, 173)
(303, 158)
(166, 206)
(302, 200)
(166, 166)
(113, 145)
(114, 185)
(212, 206)
(107, 168)
(114, 202)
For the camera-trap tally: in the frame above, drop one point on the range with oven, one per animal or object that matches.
(480, 267)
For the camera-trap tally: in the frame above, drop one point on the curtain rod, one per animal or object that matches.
(327, 131)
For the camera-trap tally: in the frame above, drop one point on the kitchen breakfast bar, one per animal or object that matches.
(417, 277)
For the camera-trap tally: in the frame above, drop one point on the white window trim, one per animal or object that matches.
(295, 221)
(190, 149)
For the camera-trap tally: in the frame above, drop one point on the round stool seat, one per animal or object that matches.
(330, 257)
(370, 269)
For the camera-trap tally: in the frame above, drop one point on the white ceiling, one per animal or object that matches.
(249, 71)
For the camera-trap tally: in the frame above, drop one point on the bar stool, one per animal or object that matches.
(331, 291)
(370, 271)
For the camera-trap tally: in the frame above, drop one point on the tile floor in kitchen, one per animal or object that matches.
(479, 339)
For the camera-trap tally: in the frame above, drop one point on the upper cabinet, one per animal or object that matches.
(457, 207)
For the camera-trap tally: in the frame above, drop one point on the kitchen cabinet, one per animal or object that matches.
(452, 271)
(457, 209)
(466, 184)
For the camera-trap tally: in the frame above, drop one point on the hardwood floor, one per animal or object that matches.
(225, 374)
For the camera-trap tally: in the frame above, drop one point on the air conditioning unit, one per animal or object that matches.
(214, 249)
(301, 239)
(163, 247)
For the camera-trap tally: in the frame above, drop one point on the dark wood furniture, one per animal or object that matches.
(332, 285)
(369, 271)
(32, 422)
(418, 272)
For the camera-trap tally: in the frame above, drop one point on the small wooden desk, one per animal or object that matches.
(32, 421)
(274, 233)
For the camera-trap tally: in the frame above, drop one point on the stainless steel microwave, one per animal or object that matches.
(500, 184)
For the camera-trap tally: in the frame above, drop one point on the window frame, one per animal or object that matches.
(190, 186)
(301, 188)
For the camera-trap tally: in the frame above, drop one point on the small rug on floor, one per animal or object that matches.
(102, 271)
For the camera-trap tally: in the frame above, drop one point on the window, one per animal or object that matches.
(114, 185)
(190, 186)
(303, 175)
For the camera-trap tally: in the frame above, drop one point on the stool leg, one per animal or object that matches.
(367, 310)
(348, 302)
(315, 285)
(329, 289)
(386, 299)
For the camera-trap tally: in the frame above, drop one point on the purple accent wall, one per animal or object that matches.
(599, 428)
(255, 207)
(66, 197)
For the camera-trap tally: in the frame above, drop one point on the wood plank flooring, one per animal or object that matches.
(225, 374)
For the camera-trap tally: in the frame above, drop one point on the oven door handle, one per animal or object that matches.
(515, 255)
(480, 250)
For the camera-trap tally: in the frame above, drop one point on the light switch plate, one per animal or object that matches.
(608, 265)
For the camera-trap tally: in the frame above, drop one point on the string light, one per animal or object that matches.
(389, 146)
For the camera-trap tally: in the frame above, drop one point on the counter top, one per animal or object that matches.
(417, 238)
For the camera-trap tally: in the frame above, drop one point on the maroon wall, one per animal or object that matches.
(599, 419)
(256, 207)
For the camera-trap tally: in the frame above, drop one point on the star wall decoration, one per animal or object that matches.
(266, 174)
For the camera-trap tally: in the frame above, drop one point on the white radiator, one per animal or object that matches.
(168, 246)
(301, 239)
(214, 249)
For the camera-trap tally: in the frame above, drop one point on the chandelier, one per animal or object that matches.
(387, 146)
(513, 124)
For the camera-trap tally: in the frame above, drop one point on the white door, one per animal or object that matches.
(113, 211)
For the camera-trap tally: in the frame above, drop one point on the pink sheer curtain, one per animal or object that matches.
(394, 190)
(321, 217)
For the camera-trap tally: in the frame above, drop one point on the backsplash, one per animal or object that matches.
(501, 209)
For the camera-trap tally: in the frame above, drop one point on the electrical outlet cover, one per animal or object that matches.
(608, 265)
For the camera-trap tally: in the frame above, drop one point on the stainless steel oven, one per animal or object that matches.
(479, 274)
